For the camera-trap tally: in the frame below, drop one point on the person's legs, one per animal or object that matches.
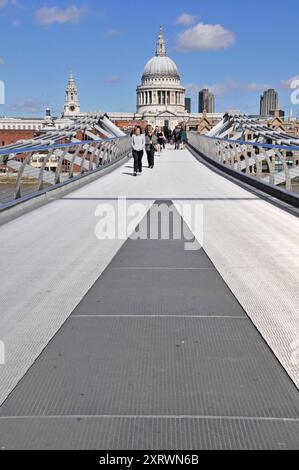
(152, 159)
(135, 156)
(148, 152)
(140, 156)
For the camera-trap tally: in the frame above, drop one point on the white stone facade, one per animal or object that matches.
(36, 124)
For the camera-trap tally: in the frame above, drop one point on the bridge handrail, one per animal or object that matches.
(26, 177)
(270, 168)
(42, 148)
(254, 144)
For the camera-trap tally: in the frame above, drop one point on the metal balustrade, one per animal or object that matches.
(29, 170)
(276, 165)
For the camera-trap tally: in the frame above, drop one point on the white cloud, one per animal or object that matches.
(186, 19)
(16, 23)
(51, 15)
(4, 3)
(287, 83)
(113, 33)
(228, 87)
(1, 61)
(257, 87)
(29, 105)
(113, 79)
(204, 37)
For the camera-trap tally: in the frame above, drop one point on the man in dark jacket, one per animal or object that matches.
(177, 137)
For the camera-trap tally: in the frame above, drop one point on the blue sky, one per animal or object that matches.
(236, 49)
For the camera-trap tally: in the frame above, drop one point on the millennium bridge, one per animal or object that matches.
(153, 312)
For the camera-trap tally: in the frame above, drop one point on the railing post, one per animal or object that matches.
(72, 164)
(82, 169)
(286, 170)
(40, 184)
(247, 160)
(26, 161)
(59, 166)
(268, 156)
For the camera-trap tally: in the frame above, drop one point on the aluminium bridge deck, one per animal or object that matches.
(123, 344)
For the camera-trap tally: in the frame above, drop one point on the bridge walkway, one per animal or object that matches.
(141, 343)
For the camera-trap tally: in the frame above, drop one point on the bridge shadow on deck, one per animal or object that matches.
(159, 354)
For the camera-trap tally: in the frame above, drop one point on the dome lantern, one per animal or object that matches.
(161, 46)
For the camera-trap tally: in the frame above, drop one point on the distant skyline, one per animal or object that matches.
(216, 45)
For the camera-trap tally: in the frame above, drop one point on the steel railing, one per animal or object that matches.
(26, 171)
(276, 165)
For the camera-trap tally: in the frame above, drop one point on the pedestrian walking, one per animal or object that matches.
(177, 137)
(170, 137)
(150, 146)
(167, 133)
(184, 138)
(138, 147)
(161, 139)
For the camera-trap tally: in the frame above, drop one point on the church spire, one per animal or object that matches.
(72, 106)
(161, 46)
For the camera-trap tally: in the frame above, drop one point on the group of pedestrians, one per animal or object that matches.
(154, 141)
(180, 138)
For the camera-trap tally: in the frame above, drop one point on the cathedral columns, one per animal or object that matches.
(161, 97)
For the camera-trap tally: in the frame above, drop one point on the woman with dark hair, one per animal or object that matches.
(150, 146)
(138, 146)
(161, 139)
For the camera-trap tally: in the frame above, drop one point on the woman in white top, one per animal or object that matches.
(138, 147)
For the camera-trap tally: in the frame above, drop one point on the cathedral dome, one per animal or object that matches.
(160, 66)
(160, 90)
